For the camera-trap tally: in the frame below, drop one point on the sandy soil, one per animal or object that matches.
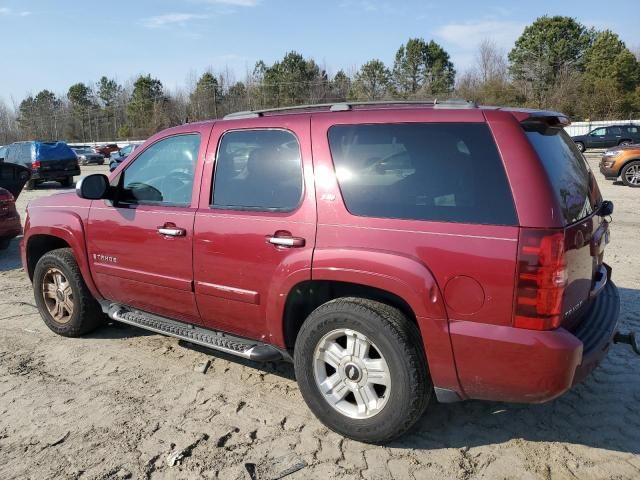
(123, 403)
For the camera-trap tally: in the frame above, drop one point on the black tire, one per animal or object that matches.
(398, 341)
(87, 314)
(580, 147)
(67, 182)
(628, 170)
(624, 143)
(4, 243)
(100, 162)
(30, 185)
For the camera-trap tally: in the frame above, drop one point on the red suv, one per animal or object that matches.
(390, 251)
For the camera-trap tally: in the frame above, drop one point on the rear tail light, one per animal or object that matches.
(35, 165)
(6, 200)
(542, 278)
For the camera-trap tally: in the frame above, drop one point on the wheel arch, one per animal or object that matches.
(308, 295)
(68, 233)
(627, 162)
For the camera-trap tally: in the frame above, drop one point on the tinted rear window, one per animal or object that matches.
(448, 172)
(568, 171)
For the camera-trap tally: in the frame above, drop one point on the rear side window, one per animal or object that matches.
(568, 171)
(259, 170)
(449, 172)
(633, 130)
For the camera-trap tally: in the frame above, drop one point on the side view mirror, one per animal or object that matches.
(93, 187)
(606, 208)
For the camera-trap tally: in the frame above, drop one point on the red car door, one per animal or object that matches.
(141, 248)
(255, 229)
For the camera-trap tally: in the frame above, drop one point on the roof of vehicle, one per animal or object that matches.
(392, 105)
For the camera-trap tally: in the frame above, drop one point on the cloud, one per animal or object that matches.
(5, 12)
(180, 19)
(468, 35)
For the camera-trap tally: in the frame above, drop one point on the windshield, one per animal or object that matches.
(569, 173)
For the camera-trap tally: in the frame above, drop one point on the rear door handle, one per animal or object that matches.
(290, 242)
(172, 231)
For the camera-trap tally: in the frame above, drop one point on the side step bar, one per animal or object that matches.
(241, 347)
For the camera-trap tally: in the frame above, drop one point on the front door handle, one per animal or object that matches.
(171, 230)
(290, 242)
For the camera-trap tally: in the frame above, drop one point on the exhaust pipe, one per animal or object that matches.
(628, 338)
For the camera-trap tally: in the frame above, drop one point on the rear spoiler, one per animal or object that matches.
(548, 118)
(545, 122)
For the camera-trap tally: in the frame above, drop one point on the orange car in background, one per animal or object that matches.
(624, 162)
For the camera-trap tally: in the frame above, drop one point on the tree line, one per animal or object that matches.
(557, 64)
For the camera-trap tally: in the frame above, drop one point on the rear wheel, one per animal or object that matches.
(362, 370)
(4, 243)
(67, 182)
(30, 185)
(631, 174)
(580, 146)
(625, 143)
(63, 299)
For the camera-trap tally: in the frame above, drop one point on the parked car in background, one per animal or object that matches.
(108, 149)
(118, 157)
(47, 161)
(609, 136)
(12, 179)
(350, 243)
(624, 162)
(88, 156)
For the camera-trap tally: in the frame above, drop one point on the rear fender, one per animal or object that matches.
(408, 279)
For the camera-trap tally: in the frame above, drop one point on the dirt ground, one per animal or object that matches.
(123, 403)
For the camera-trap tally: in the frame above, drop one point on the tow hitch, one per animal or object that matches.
(630, 339)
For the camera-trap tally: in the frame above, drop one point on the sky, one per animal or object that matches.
(53, 44)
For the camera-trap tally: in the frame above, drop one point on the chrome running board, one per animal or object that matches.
(223, 342)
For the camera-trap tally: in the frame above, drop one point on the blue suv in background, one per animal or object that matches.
(47, 161)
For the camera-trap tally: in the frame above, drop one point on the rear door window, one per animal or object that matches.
(258, 170)
(449, 172)
(570, 175)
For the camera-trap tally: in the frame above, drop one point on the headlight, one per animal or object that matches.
(612, 153)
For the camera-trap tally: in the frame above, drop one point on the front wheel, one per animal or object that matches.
(63, 299)
(631, 174)
(362, 370)
(580, 147)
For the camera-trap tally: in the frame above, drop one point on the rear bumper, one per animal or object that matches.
(515, 365)
(55, 174)
(609, 173)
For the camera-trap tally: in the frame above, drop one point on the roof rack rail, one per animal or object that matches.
(347, 106)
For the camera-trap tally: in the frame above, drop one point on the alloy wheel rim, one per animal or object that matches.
(57, 295)
(632, 175)
(352, 374)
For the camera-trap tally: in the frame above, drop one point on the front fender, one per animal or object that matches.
(67, 226)
(409, 279)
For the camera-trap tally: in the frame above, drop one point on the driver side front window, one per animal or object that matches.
(163, 173)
